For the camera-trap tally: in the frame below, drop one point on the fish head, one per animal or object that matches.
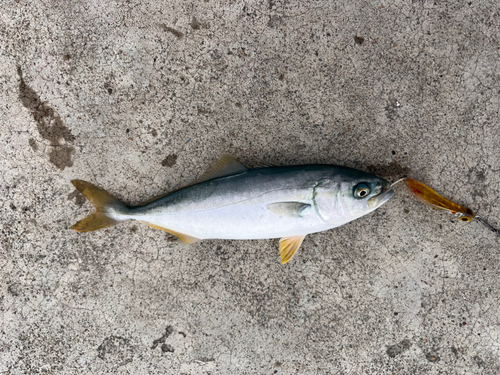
(350, 194)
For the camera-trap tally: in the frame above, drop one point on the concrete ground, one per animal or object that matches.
(141, 97)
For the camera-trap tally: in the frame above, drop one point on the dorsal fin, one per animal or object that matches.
(225, 166)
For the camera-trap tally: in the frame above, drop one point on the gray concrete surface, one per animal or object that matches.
(140, 97)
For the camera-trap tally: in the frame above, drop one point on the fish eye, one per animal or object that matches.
(361, 191)
(465, 218)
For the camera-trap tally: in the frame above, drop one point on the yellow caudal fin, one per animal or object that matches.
(94, 221)
(106, 208)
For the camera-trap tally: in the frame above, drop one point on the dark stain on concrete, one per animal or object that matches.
(195, 24)
(391, 108)
(478, 361)
(359, 40)
(169, 161)
(163, 338)
(171, 30)
(61, 156)
(165, 348)
(78, 197)
(432, 357)
(206, 359)
(275, 22)
(49, 125)
(15, 289)
(480, 176)
(204, 111)
(478, 179)
(33, 144)
(399, 348)
(109, 87)
(116, 350)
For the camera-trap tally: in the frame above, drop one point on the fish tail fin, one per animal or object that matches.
(109, 210)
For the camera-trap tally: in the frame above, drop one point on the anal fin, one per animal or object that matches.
(289, 246)
(181, 236)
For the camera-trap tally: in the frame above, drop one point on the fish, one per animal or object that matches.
(231, 201)
(430, 197)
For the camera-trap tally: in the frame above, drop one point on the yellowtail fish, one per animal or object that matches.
(231, 201)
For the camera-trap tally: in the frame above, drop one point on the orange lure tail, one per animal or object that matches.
(433, 199)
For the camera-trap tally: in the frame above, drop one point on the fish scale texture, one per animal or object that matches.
(141, 97)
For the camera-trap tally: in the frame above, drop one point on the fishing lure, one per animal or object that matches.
(430, 197)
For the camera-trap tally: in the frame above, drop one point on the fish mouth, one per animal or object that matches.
(380, 199)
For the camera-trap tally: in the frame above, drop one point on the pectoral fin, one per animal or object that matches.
(289, 246)
(181, 236)
(291, 209)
